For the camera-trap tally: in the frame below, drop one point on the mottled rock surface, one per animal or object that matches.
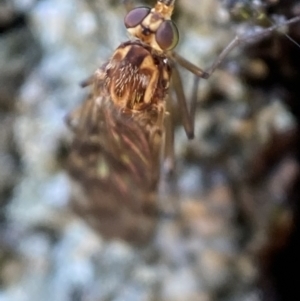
(233, 193)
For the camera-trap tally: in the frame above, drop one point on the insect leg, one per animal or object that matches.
(169, 156)
(238, 40)
(87, 82)
(188, 115)
(188, 65)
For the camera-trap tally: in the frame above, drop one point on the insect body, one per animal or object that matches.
(119, 129)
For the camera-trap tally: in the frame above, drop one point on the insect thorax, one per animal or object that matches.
(137, 78)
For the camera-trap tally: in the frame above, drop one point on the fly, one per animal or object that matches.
(119, 130)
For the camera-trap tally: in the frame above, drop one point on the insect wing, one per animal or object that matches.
(115, 167)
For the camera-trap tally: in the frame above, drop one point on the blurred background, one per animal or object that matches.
(236, 184)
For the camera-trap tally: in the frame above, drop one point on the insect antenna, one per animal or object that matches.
(167, 2)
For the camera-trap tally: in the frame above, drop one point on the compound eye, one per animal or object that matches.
(167, 35)
(136, 16)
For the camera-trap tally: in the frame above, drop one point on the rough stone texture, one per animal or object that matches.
(233, 184)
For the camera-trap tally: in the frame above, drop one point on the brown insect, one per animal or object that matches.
(119, 130)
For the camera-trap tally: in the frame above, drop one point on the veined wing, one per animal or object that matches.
(114, 161)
